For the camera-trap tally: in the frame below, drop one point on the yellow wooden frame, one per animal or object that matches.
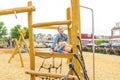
(17, 47)
(74, 27)
(73, 23)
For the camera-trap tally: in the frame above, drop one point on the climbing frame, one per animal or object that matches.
(74, 28)
(73, 23)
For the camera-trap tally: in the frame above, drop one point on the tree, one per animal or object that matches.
(35, 37)
(3, 30)
(39, 35)
(14, 31)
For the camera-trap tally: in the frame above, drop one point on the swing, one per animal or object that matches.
(18, 44)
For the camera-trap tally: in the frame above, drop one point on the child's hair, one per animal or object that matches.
(71, 50)
(59, 27)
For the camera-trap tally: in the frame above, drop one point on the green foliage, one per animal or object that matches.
(98, 42)
(14, 31)
(35, 36)
(38, 35)
(3, 40)
(3, 30)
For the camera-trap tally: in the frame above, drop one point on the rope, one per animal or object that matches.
(82, 62)
(52, 65)
(15, 15)
(71, 66)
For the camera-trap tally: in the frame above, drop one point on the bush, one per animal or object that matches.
(103, 50)
(110, 51)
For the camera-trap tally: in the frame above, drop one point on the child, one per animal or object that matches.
(64, 47)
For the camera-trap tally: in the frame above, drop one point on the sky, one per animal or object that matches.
(106, 14)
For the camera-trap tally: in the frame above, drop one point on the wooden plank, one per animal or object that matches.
(68, 22)
(17, 10)
(55, 54)
(52, 27)
(51, 75)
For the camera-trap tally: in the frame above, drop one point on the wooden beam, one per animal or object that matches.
(36, 73)
(52, 27)
(68, 17)
(68, 22)
(31, 40)
(55, 54)
(17, 10)
(75, 31)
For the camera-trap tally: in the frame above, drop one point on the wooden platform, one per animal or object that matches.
(36, 73)
(55, 54)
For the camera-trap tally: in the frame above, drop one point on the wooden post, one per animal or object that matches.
(68, 18)
(75, 9)
(17, 50)
(69, 31)
(75, 31)
(31, 39)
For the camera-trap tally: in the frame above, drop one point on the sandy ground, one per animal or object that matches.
(107, 67)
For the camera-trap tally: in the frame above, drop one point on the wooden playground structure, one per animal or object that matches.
(18, 47)
(74, 27)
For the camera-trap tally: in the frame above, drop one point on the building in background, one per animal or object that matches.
(86, 38)
(115, 33)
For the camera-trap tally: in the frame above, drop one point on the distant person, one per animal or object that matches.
(13, 43)
(8, 43)
(60, 36)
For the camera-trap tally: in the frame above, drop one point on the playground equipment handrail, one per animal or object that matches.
(67, 22)
(52, 27)
(51, 75)
(55, 54)
(18, 10)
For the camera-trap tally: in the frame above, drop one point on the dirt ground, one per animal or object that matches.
(107, 67)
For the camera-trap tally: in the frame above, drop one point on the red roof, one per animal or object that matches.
(87, 36)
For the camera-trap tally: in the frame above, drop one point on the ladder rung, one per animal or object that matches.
(55, 54)
(18, 10)
(68, 22)
(51, 75)
(52, 27)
